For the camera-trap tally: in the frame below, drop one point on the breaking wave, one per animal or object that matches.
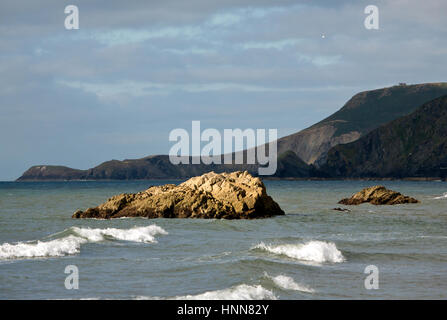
(71, 244)
(240, 292)
(287, 283)
(136, 234)
(54, 248)
(444, 196)
(314, 251)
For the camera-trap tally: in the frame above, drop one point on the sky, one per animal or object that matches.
(135, 70)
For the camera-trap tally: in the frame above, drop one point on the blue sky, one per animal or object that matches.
(135, 70)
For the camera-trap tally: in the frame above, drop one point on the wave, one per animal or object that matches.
(54, 248)
(136, 234)
(239, 292)
(444, 196)
(287, 283)
(314, 251)
(71, 244)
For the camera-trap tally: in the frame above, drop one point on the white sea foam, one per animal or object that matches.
(53, 248)
(444, 196)
(315, 251)
(240, 292)
(71, 244)
(287, 283)
(136, 234)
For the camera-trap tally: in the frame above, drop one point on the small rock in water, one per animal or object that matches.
(235, 195)
(341, 209)
(378, 195)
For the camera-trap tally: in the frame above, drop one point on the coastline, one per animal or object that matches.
(262, 178)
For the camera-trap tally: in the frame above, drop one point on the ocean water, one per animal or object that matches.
(313, 252)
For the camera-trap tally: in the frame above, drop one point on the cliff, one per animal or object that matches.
(411, 146)
(363, 113)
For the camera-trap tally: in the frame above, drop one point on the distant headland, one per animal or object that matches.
(398, 132)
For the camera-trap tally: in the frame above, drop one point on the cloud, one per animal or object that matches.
(125, 36)
(320, 61)
(278, 45)
(111, 91)
(220, 21)
(191, 51)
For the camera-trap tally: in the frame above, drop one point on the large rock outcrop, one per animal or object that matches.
(236, 195)
(378, 195)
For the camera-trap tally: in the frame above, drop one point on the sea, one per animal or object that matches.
(312, 252)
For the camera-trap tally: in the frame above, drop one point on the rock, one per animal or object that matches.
(341, 209)
(378, 195)
(236, 195)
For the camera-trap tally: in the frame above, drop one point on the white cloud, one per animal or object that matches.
(220, 20)
(138, 89)
(233, 17)
(125, 36)
(320, 60)
(225, 19)
(278, 45)
(191, 51)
